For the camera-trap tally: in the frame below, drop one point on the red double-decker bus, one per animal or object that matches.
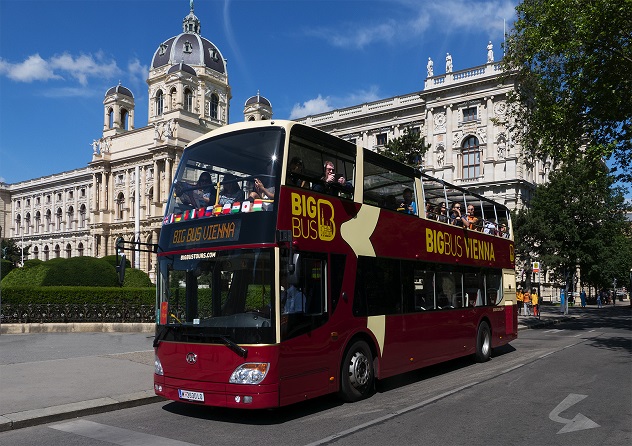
(294, 264)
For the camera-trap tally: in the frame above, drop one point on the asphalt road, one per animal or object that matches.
(564, 385)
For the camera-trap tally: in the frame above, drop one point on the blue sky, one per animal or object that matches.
(59, 57)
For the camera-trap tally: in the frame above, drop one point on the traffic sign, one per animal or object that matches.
(536, 267)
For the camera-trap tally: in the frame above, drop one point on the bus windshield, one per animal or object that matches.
(217, 295)
(232, 173)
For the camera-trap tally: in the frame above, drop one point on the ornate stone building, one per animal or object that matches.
(463, 116)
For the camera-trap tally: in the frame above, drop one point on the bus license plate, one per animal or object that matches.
(190, 395)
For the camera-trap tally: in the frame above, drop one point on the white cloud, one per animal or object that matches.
(59, 67)
(437, 17)
(322, 105)
(137, 71)
(34, 68)
(310, 107)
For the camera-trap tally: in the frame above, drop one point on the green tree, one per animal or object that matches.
(12, 252)
(573, 62)
(409, 148)
(577, 218)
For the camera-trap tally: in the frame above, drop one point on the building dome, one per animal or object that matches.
(257, 100)
(189, 48)
(119, 89)
(182, 67)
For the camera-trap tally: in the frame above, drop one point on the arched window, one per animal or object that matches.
(38, 222)
(188, 99)
(71, 217)
(58, 216)
(174, 98)
(124, 119)
(120, 204)
(82, 216)
(27, 223)
(36, 253)
(18, 224)
(150, 198)
(159, 103)
(471, 158)
(57, 251)
(68, 251)
(252, 118)
(80, 249)
(48, 220)
(214, 106)
(110, 118)
(46, 253)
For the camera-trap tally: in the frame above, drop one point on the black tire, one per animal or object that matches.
(357, 380)
(483, 343)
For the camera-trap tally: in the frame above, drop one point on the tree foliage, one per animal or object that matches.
(573, 65)
(408, 149)
(577, 219)
(12, 252)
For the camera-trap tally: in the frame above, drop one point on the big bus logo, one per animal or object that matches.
(312, 218)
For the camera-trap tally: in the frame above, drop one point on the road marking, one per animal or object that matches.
(577, 335)
(354, 429)
(115, 435)
(579, 422)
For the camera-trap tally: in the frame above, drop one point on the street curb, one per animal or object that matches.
(35, 417)
(79, 327)
(540, 323)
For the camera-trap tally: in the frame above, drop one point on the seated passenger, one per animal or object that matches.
(200, 194)
(262, 192)
(231, 191)
(295, 173)
(490, 227)
(441, 213)
(471, 221)
(408, 206)
(456, 218)
(332, 183)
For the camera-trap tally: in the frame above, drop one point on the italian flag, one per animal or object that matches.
(235, 208)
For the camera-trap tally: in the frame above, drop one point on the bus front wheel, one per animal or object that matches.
(357, 380)
(483, 343)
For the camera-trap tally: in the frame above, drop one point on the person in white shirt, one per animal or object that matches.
(292, 299)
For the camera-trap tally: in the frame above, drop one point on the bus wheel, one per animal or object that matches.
(483, 343)
(356, 374)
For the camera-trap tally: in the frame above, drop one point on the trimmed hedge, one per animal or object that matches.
(5, 267)
(77, 295)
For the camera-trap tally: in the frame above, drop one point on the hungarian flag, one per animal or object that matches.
(257, 205)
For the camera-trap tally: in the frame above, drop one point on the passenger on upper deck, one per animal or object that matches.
(456, 218)
(295, 173)
(262, 192)
(408, 206)
(471, 220)
(202, 193)
(441, 213)
(231, 191)
(331, 182)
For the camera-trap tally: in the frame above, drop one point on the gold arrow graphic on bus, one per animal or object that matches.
(579, 422)
(357, 231)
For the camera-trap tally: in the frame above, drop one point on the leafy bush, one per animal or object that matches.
(135, 278)
(32, 262)
(5, 267)
(13, 295)
(76, 271)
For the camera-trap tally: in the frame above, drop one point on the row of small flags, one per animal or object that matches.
(213, 211)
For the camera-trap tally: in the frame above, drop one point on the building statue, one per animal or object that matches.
(490, 52)
(429, 67)
(95, 147)
(448, 63)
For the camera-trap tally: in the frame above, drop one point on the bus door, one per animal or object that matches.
(305, 363)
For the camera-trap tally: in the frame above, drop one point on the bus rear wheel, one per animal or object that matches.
(483, 343)
(357, 380)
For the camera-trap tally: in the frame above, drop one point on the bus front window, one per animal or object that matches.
(218, 294)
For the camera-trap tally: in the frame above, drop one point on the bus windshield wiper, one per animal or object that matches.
(233, 346)
(162, 332)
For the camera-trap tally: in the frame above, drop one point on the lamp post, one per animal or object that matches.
(22, 231)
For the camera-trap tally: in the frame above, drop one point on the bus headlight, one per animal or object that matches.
(250, 373)
(158, 366)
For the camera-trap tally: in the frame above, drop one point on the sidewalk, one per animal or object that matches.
(51, 376)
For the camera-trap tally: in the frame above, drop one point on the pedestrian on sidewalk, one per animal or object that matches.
(526, 298)
(535, 302)
(519, 300)
(582, 297)
(599, 299)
